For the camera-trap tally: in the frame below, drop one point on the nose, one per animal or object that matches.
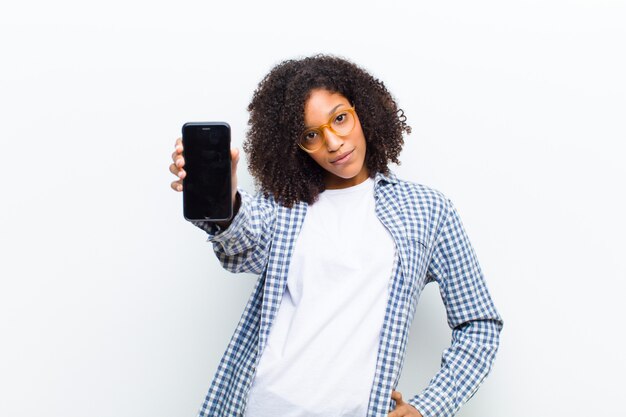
(333, 141)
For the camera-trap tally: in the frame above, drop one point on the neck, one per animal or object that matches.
(333, 182)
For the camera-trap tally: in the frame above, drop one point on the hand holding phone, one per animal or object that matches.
(206, 167)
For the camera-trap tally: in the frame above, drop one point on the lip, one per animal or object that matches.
(343, 158)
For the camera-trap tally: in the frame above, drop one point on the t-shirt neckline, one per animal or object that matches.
(368, 183)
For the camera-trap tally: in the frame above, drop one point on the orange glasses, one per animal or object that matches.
(340, 123)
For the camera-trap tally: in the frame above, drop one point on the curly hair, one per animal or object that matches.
(277, 120)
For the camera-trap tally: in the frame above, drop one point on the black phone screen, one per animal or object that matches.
(207, 190)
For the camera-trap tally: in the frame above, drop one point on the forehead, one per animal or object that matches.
(321, 104)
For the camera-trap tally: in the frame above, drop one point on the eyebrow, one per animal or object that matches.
(330, 113)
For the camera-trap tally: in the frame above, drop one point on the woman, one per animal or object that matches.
(343, 250)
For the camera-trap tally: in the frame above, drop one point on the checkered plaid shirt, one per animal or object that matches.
(431, 245)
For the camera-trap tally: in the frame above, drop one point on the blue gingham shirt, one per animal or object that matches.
(431, 245)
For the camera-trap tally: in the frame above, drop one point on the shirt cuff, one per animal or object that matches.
(431, 403)
(219, 233)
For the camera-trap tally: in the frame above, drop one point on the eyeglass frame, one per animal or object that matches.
(328, 125)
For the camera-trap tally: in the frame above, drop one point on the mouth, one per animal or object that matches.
(342, 158)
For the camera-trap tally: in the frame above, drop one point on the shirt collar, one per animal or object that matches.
(389, 177)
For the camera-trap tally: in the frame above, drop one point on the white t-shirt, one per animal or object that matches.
(320, 358)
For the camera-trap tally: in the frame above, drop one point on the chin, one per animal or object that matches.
(345, 174)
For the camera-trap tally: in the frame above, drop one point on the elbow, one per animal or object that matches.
(481, 339)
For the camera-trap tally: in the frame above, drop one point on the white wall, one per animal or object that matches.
(112, 305)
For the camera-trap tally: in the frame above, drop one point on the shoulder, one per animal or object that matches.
(265, 207)
(256, 208)
(422, 209)
(258, 200)
(412, 194)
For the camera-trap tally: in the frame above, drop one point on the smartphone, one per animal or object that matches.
(207, 192)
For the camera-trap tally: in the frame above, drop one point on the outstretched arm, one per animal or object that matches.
(241, 244)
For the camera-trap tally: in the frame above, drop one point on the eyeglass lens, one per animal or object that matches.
(341, 123)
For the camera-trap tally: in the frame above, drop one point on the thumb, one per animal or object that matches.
(234, 157)
(397, 397)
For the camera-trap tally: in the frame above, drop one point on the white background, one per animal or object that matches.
(112, 305)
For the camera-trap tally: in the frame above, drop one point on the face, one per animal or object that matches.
(342, 157)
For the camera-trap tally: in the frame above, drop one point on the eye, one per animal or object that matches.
(310, 136)
(340, 118)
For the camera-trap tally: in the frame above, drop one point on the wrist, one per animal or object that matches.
(236, 206)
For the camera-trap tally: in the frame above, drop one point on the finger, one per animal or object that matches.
(177, 186)
(395, 413)
(174, 169)
(397, 397)
(234, 156)
(178, 159)
(178, 147)
(401, 411)
(179, 172)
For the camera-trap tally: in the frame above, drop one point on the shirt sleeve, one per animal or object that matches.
(244, 245)
(472, 316)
